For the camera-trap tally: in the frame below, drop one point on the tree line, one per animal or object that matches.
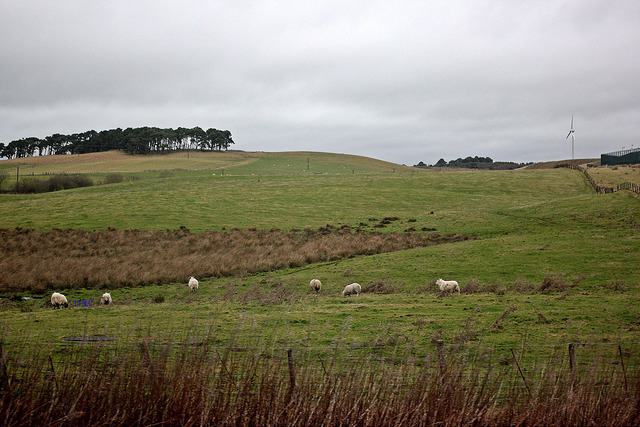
(142, 140)
(473, 163)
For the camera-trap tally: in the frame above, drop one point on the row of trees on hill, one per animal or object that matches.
(473, 163)
(143, 140)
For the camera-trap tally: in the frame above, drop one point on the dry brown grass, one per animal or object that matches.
(36, 261)
(201, 385)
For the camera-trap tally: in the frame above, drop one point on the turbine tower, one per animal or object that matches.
(570, 134)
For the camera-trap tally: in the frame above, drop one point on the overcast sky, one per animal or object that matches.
(402, 81)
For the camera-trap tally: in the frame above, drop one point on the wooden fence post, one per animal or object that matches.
(572, 364)
(292, 374)
(624, 371)
(4, 376)
(441, 359)
(520, 370)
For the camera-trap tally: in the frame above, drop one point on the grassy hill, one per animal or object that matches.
(237, 162)
(543, 242)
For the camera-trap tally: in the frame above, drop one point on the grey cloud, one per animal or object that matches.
(402, 82)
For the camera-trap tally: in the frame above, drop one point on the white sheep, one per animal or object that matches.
(193, 284)
(449, 286)
(58, 300)
(315, 284)
(351, 289)
(106, 298)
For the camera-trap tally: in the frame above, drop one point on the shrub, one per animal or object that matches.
(67, 182)
(379, 287)
(473, 287)
(55, 183)
(552, 284)
(30, 186)
(113, 178)
(522, 286)
(617, 286)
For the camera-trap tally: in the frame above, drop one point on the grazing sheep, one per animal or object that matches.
(351, 289)
(58, 300)
(449, 286)
(106, 298)
(316, 285)
(193, 284)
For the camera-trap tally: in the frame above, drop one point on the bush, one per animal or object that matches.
(379, 287)
(30, 186)
(113, 178)
(522, 286)
(473, 287)
(617, 286)
(67, 182)
(55, 183)
(552, 284)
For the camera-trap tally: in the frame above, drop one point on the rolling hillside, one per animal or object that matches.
(235, 162)
(540, 240)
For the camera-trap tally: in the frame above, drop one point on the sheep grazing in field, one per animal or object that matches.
(449, 286)
(58, 300)
(351, 289)
(193, 284)
(316, 285)
(106, 298)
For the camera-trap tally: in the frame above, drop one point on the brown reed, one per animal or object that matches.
(37, 261)
(170, 384)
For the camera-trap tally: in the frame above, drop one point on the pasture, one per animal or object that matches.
(525, 225)
(547, 263)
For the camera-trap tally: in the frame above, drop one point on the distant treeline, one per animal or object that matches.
(143, 140)
(473, 163)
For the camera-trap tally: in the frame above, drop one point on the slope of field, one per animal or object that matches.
(118, 161)
(235, 162)
(565, 257)
(606, 176)
(554, 163)
(613, 175)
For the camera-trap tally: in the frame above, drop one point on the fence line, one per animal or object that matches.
(635, 188)
(483, 346)
(581, 359)
(629, 186)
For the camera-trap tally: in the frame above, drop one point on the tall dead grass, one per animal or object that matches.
(37, 261)
(201, 385)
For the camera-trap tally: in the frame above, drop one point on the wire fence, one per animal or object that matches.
(601, 189)
(512, 367)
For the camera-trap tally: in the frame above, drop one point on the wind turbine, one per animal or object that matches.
(570, 134)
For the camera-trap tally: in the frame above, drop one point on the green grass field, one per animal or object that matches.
(527, 225)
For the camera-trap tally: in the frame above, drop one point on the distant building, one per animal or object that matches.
(623, 157)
